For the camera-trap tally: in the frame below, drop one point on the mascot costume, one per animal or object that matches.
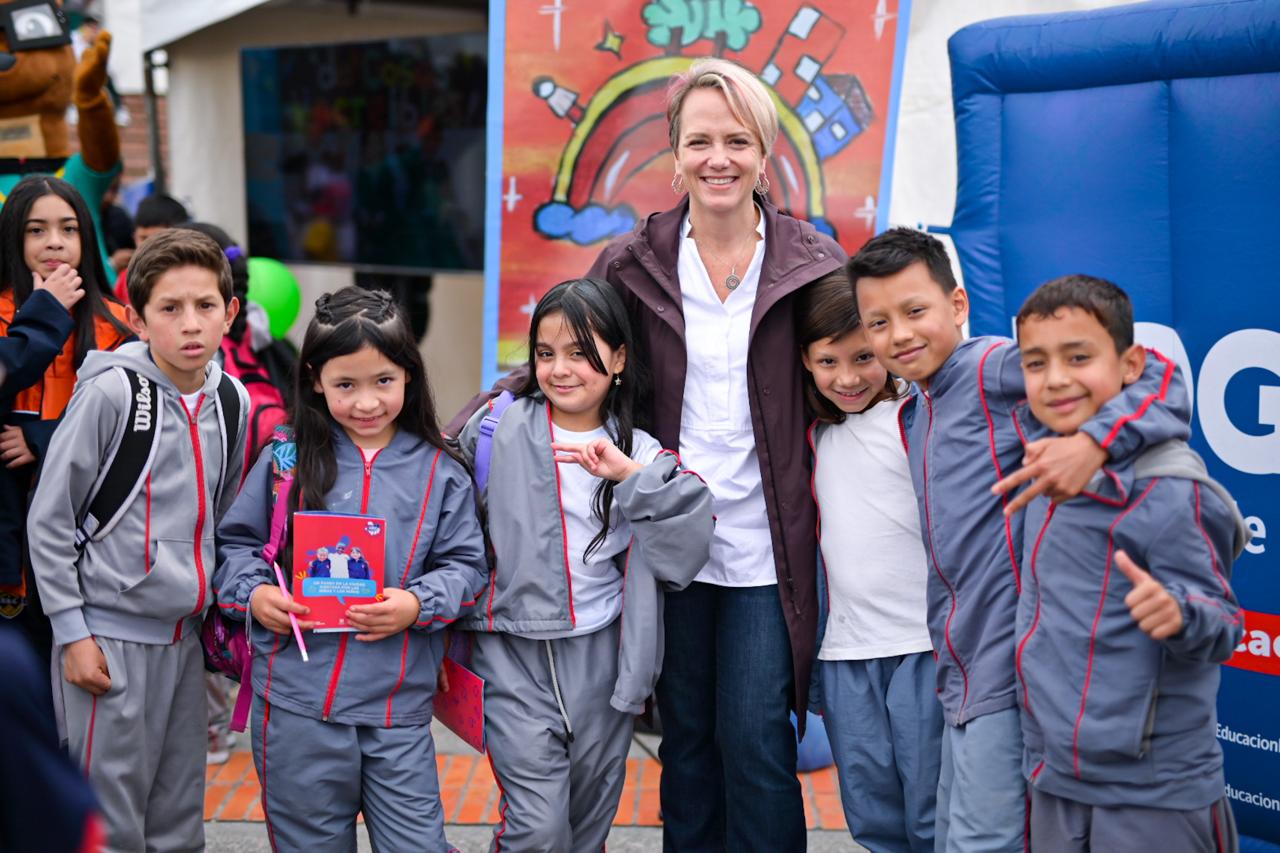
(39, 80)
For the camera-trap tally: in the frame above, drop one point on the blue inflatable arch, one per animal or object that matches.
(1142, 144)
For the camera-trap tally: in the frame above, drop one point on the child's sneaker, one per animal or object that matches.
(219, 750)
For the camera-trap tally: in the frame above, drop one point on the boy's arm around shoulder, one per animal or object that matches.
(72, 466)
(455, 568)
(669, 508)
(1151, 410)
(1191, 555)
(241, 536)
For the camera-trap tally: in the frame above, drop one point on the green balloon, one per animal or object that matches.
(272, 286)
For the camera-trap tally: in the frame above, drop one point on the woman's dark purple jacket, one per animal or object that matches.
(642, 265)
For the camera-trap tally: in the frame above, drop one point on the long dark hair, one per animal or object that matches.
(345, 322)
(13, 264)
(591, 306)
(828, 308)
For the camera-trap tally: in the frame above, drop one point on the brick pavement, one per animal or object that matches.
(471, 797)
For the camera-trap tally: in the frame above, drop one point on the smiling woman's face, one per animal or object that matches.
(718, 157)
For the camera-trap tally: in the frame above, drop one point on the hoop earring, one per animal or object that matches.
(677, 184)
(617, 379)
(762, 183)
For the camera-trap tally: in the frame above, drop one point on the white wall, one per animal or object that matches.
(206, 136)
(924, 167)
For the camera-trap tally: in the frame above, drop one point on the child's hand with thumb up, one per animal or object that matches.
(1157, 612)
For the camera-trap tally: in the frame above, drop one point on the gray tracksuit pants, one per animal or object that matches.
(316, 776)
(142, 744)
(1059, 825)
(558, 749)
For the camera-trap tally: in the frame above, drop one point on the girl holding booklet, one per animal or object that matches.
(349, 731)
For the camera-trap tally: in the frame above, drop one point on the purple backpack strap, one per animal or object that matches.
(484, 444)
(275, 541)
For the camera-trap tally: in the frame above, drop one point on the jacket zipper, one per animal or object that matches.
(194, 427)
(928, 521)
(336, 675)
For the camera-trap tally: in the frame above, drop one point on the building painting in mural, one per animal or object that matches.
(603, 160)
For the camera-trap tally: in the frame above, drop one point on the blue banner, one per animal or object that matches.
(1138, 143)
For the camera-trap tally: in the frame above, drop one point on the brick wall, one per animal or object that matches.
(134, 147)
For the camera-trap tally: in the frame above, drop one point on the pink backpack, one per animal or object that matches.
(266, 402)
(226, 641)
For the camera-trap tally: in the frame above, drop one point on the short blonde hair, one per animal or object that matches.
(748, 99)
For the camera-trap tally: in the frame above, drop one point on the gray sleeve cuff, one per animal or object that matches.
(69, 626)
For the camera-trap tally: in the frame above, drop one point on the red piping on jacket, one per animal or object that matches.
(1213, 556)
(506, 803)
(408, 564)
(1035, 621)
(564, 530)
(336, 676)
(1169, 368)
(1093, 632)
(995, 462)
(928, 523)
(202, 509)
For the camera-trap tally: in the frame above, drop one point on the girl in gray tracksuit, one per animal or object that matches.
(588, 518)
(349, 731)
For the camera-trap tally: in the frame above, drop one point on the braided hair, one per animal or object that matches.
(345, 322)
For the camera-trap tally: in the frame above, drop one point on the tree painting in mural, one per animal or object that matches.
(677, 24)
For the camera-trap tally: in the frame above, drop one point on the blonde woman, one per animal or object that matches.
(711, 287)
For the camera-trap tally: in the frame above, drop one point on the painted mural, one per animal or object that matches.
(584, 149)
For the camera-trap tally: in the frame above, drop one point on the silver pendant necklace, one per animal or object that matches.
(732, 280)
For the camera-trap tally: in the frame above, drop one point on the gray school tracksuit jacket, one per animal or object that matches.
(434, 549)
(962, 436)
(1110, 716)
(149, 578)
(529, 588)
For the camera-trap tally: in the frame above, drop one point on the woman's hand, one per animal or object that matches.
(14, 450)
(600, 457)
(271, 609)
(398, 610)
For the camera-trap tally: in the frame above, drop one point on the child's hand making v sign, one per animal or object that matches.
(600, 457)
(1157, 612)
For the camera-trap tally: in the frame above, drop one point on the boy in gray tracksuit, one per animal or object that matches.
(1126, 609)
(126, 605)
(558, 712)
(961, 440)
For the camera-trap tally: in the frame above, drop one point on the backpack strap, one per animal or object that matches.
(484, 443)
(128, 460)
(284, 455)
(1175, 458)
(228, 403)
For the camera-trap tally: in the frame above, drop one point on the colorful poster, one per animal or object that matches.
(337, 562)
(578, 148)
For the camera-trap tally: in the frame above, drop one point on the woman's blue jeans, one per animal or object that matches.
(728, 748)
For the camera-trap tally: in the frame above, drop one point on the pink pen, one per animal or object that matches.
(293, 620)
